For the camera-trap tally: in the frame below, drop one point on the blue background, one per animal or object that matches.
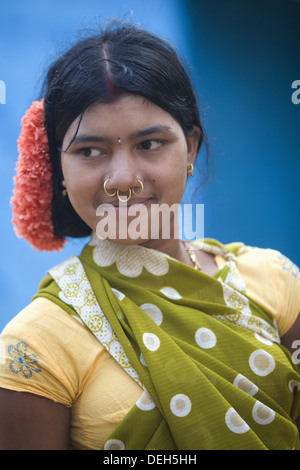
(244, 57)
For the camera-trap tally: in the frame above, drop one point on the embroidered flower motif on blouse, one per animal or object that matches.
(23, 362)
(130, 260)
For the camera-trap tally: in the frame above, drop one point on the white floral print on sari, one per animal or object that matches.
(130, 260)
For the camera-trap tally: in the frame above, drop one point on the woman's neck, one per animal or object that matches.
(172, 247)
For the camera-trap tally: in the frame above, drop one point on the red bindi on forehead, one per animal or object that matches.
(111, 86)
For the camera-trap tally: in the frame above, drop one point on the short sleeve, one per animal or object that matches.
(41, 352)
(273, 281)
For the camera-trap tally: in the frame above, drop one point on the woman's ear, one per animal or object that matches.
(193, 139)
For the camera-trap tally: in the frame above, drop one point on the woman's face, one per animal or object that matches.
(125, 141)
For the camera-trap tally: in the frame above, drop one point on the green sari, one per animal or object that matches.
(212, 372)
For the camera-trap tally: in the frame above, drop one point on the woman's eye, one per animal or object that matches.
(90, 152)
(151, 144)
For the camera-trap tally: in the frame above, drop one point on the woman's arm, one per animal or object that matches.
(32, 422)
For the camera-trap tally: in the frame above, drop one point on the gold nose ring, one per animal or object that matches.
(141, 191)
(130, 191)
(124, 200)
(106, 192)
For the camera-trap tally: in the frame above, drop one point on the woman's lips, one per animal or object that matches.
(129, 203)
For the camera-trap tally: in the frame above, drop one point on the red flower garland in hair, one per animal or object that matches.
(32, 213)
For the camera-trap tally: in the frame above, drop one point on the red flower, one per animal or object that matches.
(32, 214)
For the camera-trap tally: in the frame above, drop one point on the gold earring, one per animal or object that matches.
(190, 169)
(64, 191)
(141, 191)
(124, 200)
(106, 192)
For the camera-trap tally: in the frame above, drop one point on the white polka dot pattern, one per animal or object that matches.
(262, 414)
(145, 402)
(114, 444)
(205, 338)
(180, 405)
(245, 384)
(153, 312)
(261, 362)
(235, 423)
(170, 293)
(151, 341)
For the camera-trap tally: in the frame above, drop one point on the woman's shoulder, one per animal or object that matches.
(253, 256)
(47, 328)
(42, 313)
(269, 262)
(46, 351)
(273, 280)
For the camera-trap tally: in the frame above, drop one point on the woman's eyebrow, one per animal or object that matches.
(151, 130)
(88, 138)
(82, 138)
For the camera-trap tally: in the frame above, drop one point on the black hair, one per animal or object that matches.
(122, 59)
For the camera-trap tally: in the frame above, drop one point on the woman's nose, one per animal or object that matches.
(122, 172)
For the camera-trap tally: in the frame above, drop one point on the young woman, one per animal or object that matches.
(143, 341)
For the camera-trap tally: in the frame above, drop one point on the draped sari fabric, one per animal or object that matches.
(208, 359)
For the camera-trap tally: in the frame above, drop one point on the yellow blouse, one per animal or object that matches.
(46, 351)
